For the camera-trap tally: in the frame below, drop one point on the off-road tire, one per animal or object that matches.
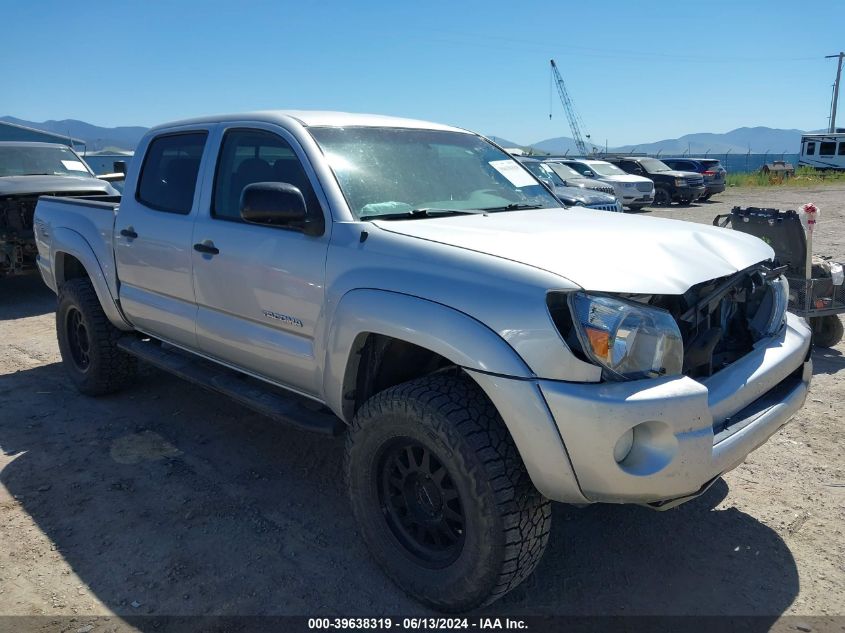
(507, 521)
(827, 330)
(108, 369)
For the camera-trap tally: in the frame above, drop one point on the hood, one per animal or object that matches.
(589, 183)
(624, 178)
(606, 252)
(32, 185)
(674, 173)
(584, 196)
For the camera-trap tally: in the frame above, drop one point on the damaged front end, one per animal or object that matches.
(707, 328)
(17, 237)
(17, 243)
(722, 320)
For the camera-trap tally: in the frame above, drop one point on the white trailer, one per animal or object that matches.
(823, 151)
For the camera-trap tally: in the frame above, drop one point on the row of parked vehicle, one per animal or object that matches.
(633, 182)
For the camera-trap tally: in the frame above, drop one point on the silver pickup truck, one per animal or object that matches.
(413, 286)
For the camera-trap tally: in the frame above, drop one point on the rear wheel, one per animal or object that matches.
(441, 495)
(827, 330)
(88, 342)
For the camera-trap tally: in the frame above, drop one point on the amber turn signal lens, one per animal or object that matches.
(599, 342)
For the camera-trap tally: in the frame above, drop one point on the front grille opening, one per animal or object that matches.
(720, 320)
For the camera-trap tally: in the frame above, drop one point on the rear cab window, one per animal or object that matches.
(168, 178)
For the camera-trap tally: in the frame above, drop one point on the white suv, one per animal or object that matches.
(634, 192)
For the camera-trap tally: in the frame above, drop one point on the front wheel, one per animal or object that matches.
(441, 494)
(662, 197)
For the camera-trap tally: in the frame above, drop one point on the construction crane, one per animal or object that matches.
(574, 119)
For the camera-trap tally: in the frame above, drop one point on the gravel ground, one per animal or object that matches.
(166, 499)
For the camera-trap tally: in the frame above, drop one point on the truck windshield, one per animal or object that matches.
(32, 160)
(394, 171)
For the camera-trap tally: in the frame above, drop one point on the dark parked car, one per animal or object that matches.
(712, 170)
(669, 185)
(29, 170)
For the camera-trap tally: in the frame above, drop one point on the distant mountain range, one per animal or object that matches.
(96, 137)
(738, 141)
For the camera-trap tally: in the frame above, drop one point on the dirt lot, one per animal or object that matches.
(166, 499)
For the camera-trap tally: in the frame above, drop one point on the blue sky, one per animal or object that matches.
(638, 71)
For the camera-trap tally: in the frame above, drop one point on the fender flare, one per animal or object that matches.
(69, 242)
(450, 333)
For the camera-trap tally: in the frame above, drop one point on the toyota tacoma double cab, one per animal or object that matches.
(29, 170)
(412, 286)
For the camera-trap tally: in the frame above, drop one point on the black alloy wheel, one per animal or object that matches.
(420, 502)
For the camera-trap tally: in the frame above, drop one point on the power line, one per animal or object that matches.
(835, 103)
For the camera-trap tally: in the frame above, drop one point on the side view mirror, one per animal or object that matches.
(119, 167)
(589, 174)
(277, 204)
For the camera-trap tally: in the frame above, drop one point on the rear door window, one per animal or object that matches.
(842, 148)
(169, 173)
(827, 149)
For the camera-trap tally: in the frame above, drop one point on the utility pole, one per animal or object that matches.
(833, 106)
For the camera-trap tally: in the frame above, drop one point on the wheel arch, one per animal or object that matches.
(407, 337)
(72, 257)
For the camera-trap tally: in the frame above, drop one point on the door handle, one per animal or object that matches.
(206, 247)
(129, 232)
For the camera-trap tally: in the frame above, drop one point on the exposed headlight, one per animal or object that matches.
(680, 182)
(629, 340)
(772, 310)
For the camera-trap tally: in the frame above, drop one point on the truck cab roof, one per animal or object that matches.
(315, 118)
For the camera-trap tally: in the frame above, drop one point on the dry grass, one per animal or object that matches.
(804, 176)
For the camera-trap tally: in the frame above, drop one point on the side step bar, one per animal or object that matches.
(278, 404)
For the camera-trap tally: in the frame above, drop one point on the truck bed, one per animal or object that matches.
(90, 217)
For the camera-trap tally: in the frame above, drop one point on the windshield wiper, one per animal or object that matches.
(514, 207)
(424, 212)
